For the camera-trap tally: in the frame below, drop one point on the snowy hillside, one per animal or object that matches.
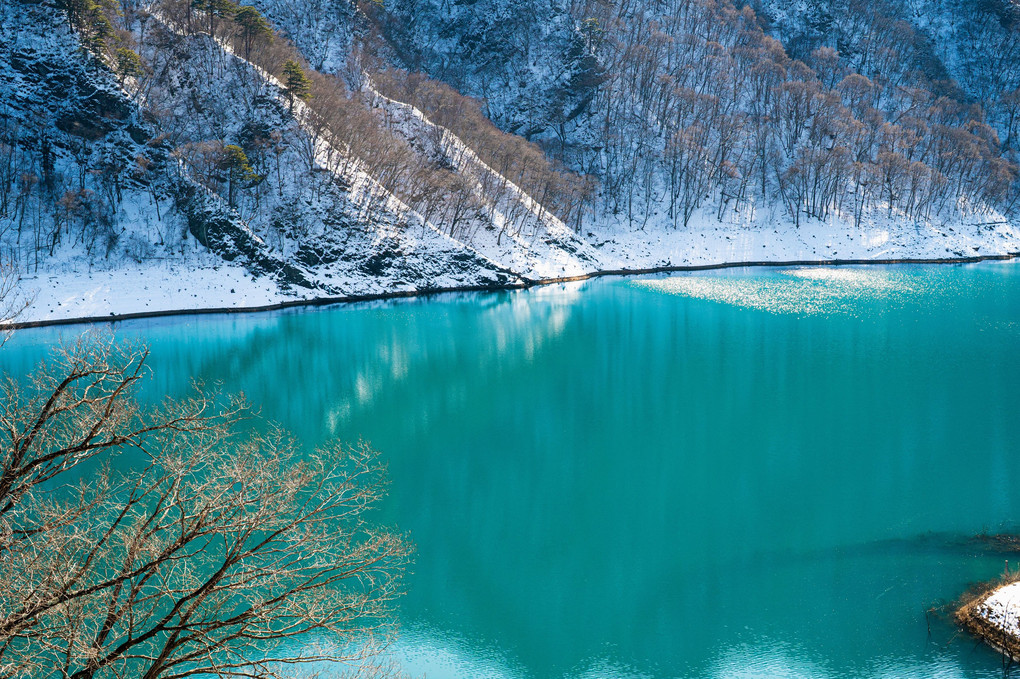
(111, 161)
(171, 156)
(957, 48)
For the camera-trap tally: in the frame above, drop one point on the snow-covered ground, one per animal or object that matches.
(198, 283)
(774, 238)
(159, 286)
(1002, 609)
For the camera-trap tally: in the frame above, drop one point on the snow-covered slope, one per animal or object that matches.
(101, 214)
(341, 228)
(958, 48)
(542, 248)
(117, 198)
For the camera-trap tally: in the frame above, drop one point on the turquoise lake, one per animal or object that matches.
(743, 473)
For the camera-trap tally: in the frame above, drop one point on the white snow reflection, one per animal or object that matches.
(805, 291)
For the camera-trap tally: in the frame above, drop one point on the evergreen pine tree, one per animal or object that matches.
(129, 64)
(296, 84)
(252, 25)
(239, 170)
(214, 9)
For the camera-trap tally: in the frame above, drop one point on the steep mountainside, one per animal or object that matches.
(690, 103)
(94, 181)
(961, 49)
(217, 159)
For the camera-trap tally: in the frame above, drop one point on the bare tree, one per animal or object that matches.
(229, 552)
(13, 299)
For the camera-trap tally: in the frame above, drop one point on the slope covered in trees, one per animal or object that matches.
(692, 105)
(197, 152)
(968, 51)
(412, 144)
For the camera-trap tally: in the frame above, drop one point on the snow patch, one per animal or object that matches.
(1002, 609)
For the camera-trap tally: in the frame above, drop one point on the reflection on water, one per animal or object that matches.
(425, 652)
(809, 290)
(776, 660)
(606, 481)
(767, 659)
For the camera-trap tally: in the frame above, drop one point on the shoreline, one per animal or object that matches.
(524, 285)
(980, 613)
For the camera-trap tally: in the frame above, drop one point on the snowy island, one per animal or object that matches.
(993, 615)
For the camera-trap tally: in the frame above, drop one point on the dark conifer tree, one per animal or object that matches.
(296, 83)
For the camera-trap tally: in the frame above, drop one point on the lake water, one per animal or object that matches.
(747, 473)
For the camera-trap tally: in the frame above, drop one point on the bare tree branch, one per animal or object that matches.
(222, 556)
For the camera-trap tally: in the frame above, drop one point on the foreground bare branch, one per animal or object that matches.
(224, 555)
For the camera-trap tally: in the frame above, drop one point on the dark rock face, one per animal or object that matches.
(79, 102)
(62, 102)
(224, 233)
(320, 254)
(94, 116)
(482, 47)
(380, 262)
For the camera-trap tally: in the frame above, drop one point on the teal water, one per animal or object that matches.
(749, 473)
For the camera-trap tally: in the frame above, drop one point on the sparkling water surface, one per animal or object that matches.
(743, 473)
